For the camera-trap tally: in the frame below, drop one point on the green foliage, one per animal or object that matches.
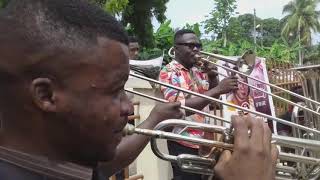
(164, 36)
(219, 18)
(136, 15)
(269, 31)
(115, 7)
(139, 14)
(302, 18)
(195, 27)
(147, 54)
(3, 3)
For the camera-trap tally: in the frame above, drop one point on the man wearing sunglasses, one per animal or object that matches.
(184, 72)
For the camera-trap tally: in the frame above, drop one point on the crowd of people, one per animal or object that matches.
(63, 67)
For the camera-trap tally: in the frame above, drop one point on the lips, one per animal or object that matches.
(119, 130)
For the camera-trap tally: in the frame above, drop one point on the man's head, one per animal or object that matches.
(186, 46)
(133, 48)
(63, 67)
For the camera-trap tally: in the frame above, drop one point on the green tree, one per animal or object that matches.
(269, 31)
(116, 7)
(139, 13)
(219, 18)
(136, 15)
(3, 3)
(164, 36)
(302, 18)
(235, 31)
(195, 27)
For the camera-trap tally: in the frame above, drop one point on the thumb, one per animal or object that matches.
(176, 104)
(223, 160)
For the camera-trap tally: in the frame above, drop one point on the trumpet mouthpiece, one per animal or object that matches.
(128, 130)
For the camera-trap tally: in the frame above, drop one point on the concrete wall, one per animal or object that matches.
(147, 163)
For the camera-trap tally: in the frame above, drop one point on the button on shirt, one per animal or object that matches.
(194, 80)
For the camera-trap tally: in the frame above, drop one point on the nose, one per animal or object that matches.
(127, 108)
(196, 49)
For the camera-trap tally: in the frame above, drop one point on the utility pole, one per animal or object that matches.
(254, 30)
(262, 34)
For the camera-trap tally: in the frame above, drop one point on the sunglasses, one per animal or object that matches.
(191, 45)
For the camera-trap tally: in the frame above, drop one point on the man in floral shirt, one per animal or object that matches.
(182, 72)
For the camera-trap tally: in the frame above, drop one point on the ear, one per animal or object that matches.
(42, 91)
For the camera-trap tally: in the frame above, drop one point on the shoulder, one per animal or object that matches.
(10, 171)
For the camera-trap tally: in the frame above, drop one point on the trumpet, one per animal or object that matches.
(204, 165)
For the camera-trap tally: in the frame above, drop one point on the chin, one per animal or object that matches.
(108, 155)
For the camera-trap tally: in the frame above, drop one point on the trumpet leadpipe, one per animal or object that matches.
(279, 140)
(158, 134)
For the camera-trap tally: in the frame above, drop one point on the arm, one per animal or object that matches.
(226, 85)
(131, 146)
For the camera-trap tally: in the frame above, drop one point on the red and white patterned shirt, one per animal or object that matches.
(194, 80)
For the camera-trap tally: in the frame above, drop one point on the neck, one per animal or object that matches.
(183, 64)
(28, 135)
(240, 100)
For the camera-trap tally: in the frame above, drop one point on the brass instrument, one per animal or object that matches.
(309, 165)
(203, 165)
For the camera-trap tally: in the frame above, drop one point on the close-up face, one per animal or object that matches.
(134, 50)
(95, 107)
(186, 49)
(243, 90)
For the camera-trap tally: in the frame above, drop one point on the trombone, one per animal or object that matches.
(203, 165)
(246, 63)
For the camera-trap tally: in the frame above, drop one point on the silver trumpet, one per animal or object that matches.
(204, 165)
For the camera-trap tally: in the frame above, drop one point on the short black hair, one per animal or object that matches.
(133, 39)
(42, 28)
(180, 33)
(73, 19)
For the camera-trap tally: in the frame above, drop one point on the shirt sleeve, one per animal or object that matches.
(170, 94)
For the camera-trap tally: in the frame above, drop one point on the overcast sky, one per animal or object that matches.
(192, 11)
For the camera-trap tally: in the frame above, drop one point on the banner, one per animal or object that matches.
(246, 96)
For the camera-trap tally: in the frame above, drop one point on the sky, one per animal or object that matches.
(192, 11)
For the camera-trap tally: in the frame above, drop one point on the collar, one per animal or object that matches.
(44, 166)
(175, 64)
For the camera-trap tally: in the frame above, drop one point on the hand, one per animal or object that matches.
(228, 84)
(253, 157)
(210, 69)
(166, 111)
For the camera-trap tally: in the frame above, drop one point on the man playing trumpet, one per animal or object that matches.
(63, 67)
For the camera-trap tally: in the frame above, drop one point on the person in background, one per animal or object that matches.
(183, 72)
(134, 48)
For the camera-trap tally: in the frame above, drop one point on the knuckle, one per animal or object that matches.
(260, 152)
(243, 148)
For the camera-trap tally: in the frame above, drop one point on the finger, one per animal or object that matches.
(241, 138)
(274, 154)
(257, 132)
(267, 135)
(176, 104)
(180, 115)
